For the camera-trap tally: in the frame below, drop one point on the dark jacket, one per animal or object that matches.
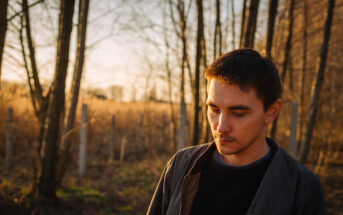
(287, 187)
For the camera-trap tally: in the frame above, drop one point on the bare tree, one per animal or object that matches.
(317, 84)
(243, 21)
(250, 27)
(39, 101)
(303, 72)
(183, 112)
(289, 40)
(181, 33)
(180, 27)
(233, 24)
(3, 29)
(217, 42)
(170, 85)
(286, 61)
(271, 23)
(199, 56)
(46, 184)
(75, 89)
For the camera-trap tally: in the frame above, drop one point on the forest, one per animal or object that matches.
(96, 96)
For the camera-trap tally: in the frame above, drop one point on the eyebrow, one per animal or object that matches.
(235, 107)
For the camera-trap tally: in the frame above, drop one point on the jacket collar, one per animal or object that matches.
(208, 152)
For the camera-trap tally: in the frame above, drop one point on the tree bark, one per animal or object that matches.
(303, 73)
(182, 36)
(3, 29)
(289, 40)
(39, 101)
(199, 55)
(286, 61)
(317, 84)
(217, 42)
(233, 23)
(249, 35)
(74, 91)
(243, 23)
(182, 23)
(273, 4)
(170, 89)
(47, 185)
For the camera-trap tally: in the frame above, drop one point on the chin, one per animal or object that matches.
(227, 150)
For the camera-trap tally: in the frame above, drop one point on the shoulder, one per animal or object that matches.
(308, 190)
(306, 184)
(292, 168)
(303, 173)
(183, 158)
(190, 152)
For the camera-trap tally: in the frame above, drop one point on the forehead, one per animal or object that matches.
(224, 93)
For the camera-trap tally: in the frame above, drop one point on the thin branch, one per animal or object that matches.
(20, 12)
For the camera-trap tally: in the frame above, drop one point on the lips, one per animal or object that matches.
(225, 141)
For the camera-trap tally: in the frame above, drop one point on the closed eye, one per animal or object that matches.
(213, 109)
(239, 114)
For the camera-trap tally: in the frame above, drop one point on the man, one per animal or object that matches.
(242, 171)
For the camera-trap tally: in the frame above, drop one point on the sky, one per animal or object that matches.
(124, 43)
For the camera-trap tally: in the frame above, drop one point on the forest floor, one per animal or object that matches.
(111, 188)
(107, 188)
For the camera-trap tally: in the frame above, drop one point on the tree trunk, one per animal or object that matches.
(38, 88)
(47, 185)
(3, 29)
(217, 42)
(317, 84)
(182, 35)
(170, 91)
(303, 74)
(243, 23)
(233, 23)
(39, 101)
(286, 59)
(273, 4)
(200, 34)
(183, 113)
(249, 35)
(75, 89)
(206, 133)
(289, 40)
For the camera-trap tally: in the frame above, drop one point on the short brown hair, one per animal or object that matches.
(248, 69)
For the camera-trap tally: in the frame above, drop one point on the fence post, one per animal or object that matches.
(83, 141)
(9, 149)
(122, 150)
(292, 149)
(112, 134)
(140, 140)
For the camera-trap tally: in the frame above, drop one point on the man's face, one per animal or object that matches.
(237, 118)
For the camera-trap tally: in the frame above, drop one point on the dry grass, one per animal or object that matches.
(113, 188)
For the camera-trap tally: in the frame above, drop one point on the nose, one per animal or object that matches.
(224, 124)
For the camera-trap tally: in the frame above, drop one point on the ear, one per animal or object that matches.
(273, 111)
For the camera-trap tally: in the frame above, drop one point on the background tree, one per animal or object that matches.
(303, 72)
(75, 89)
(233, 24)
(243, 23)
(47, 185)
(199, 56)
(271, 23)
(217, 42)
(317, 84)
(3, 28)
(250, 27)
(287, 58)
(180, 6)
(39, 100)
